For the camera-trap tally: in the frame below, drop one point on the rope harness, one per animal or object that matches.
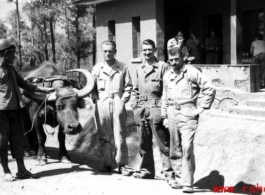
(42, 80)
(34, 117)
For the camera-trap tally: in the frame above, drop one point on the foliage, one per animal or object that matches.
(80, 34)
(57, 30)
(3, 30)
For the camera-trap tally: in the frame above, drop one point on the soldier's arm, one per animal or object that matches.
(135, 92)
(207, 89)
(251, 49)
(127, 86)
(207, 45)
(196, 41)
(220, 45)
(165, 69)
(164, 99)
(94, 93)
(185, 52)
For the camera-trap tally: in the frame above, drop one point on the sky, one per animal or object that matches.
(6, 7)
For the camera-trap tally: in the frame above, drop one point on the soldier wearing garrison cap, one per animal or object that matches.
(11, 102)
(213, 46)
(181, 86)
(180, 40)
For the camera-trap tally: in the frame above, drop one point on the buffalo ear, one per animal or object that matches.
(85, 103)
(81, 103)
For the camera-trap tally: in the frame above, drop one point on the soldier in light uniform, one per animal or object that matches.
(146, 98)
(112, 90)
(181, 87)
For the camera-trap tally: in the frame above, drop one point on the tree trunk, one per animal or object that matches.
(19, 36)
(94, 47)
(53, 41)
(45, 42)
(78, 40)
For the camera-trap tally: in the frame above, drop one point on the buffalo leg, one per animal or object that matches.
(42, 156)
(63, 156)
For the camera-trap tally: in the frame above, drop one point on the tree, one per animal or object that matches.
(80, 33)
(18, 30)
(2, 30)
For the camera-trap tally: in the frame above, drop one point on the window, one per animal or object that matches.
(112, 32)
(136, 34)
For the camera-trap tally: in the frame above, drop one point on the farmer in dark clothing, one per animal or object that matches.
(11, 124)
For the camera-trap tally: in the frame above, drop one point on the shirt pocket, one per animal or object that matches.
(101, 84)
(170, 90)
(155, 85)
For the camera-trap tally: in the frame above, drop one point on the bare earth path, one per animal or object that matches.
(228, 152)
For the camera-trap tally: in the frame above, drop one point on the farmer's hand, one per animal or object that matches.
(165, 122)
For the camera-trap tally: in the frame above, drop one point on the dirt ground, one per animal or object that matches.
(228, 152)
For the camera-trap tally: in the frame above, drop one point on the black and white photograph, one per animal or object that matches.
(135, 97)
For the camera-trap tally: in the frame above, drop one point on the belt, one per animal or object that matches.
(109, 94)
(148, 97)
(179, 106)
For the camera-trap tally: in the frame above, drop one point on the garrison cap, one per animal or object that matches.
(173, 49)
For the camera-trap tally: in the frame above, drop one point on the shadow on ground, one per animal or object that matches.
(217, 181)
(54, 172)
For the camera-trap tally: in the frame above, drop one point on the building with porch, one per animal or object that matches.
(128, 22)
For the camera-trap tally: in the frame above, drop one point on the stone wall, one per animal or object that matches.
(241, 76)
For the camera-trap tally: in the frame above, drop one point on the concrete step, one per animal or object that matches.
(237, 116)
(260, 103)
(247, 110)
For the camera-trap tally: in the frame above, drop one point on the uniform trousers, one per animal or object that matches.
(182, 126)
(148, 118)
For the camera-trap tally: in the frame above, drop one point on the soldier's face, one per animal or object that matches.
(148, 52)
(108, 52)
(180, 40)
(176, 62)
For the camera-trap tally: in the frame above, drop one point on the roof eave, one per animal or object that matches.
(92, 2)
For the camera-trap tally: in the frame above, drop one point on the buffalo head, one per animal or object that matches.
(65, 100)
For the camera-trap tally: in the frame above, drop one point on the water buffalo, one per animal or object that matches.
(60, 109)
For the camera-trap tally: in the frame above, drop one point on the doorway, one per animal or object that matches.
(210, 22)
(253, 23)
(178, 15)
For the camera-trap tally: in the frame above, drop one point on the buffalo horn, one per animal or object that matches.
(42, 97)
(89, 83)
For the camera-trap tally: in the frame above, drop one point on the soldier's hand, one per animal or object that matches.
(133, 105)
(95, 101)
(198, 111)
(165, 122)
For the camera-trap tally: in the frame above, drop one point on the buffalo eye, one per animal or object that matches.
(60, 107)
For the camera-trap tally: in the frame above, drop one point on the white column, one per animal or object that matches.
(233, 32)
